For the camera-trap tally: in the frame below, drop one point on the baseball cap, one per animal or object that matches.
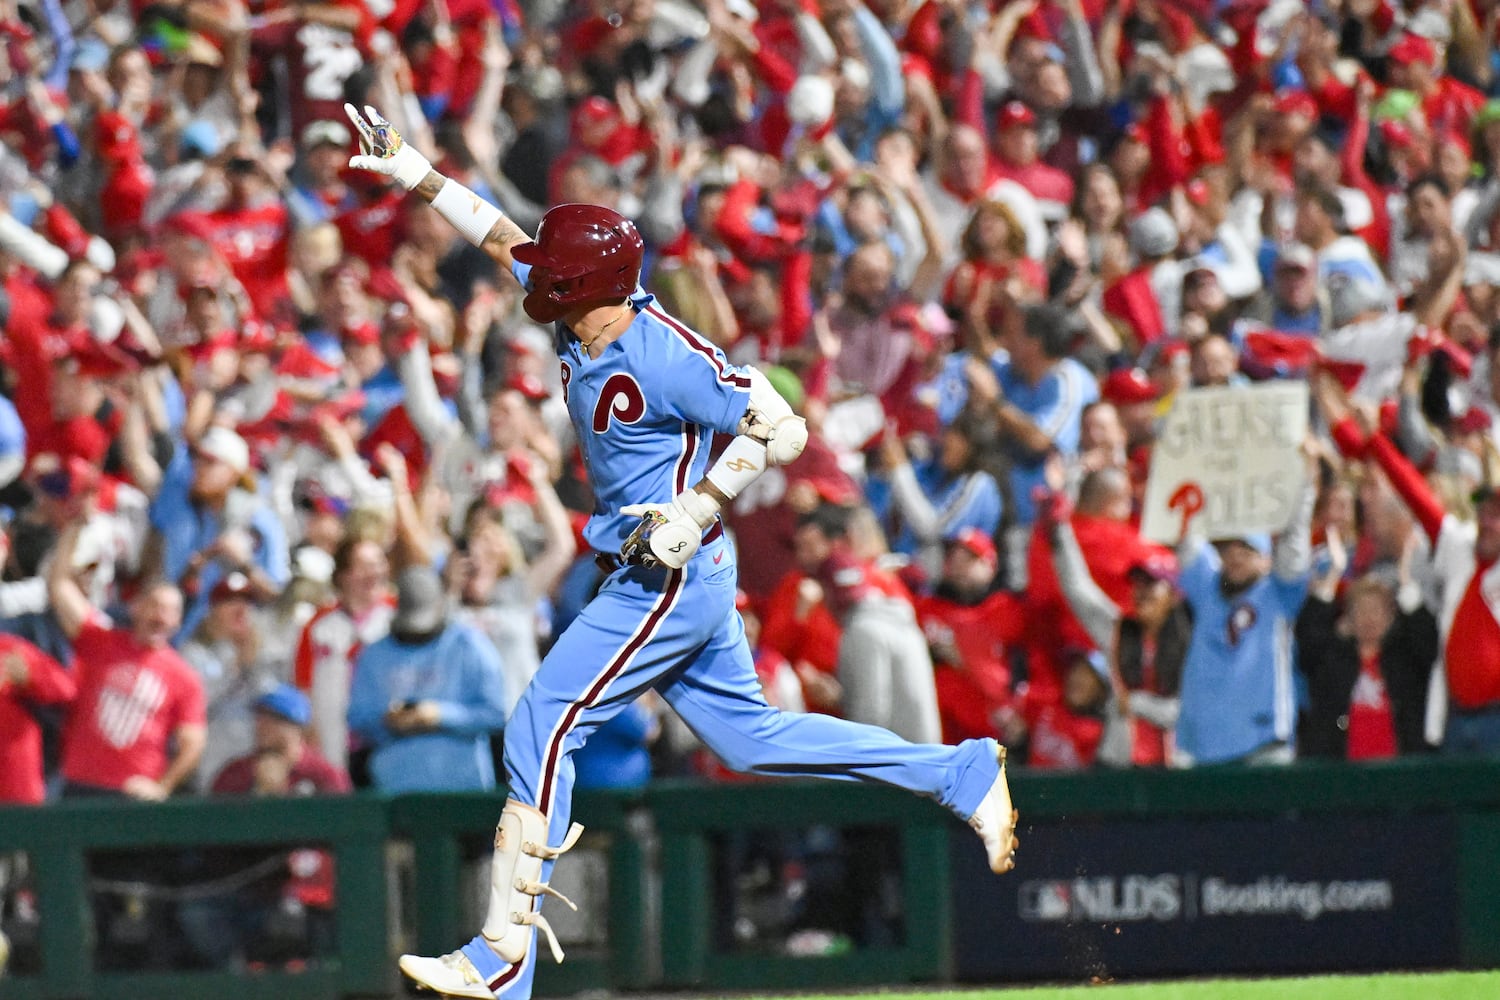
(1127, 386)
(1297, 255)
(1092, 657)
(1412, 49)
(979, 544)
(200, 137)
(421, 605)
(224, 445)
(64, 478)
(326, 132)
(1296, 102)
(529, 386)
(232, 587)
(1015, 113)
(1260, 541)
(91, 56)
(1153, 233)
(286, 703)
(1156, 564)
(1351, 295)
(115, 136)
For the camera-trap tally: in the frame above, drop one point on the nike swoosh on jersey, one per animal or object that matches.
(717, 557)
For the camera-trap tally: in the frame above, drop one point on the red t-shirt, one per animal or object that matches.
(310, 870)
(970, 692)
(254, 242)
(1060, 740)
(31, 351)
(1109, 550)
(47, 683)
(1451, 106)
(814, 639)
(370, 230)
(1372, 723)
(1045, 182)
(131, 700)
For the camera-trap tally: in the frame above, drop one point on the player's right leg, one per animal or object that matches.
(718, 695)
(640, 625)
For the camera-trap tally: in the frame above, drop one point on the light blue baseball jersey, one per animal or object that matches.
(645, 411)
(1237, 687)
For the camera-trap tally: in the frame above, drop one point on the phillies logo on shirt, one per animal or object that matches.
(1241, 620)
(129, 699)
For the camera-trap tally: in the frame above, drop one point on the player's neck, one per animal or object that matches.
(602, 326)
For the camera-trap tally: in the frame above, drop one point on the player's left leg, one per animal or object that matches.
(642, 624)
(718, 695)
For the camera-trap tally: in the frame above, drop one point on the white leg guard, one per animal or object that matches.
(483, 967)
(515, 881)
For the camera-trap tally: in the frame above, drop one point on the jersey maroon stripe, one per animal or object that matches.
(695, 343)
(632, 646)
(685, 462)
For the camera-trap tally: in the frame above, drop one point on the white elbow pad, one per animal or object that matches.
(770, 420)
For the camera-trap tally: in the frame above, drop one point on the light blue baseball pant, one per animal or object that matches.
(678, 632)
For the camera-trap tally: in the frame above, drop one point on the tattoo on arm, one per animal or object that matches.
(505, 232)
(430, 186)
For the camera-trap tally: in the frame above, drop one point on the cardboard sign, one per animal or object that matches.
(1228, 461)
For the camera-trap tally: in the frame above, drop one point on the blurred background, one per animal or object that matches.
(253, 402)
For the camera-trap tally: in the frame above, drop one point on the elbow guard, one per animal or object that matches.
(769, 419)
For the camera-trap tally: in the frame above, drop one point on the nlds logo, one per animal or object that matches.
(1103, 898)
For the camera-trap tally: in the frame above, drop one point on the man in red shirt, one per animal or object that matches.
(28, 676)
(300, 895)
(252, 232)
(1466, 562)
(1111, 546)
(137, 728)
(1019, 160)
(970, 630)
(1447, 104)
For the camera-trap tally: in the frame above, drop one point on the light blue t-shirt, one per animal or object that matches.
(1237, 684)
(461, 671)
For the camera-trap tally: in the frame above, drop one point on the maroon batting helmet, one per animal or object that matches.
(583, 254)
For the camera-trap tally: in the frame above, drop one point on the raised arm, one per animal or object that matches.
(559, 546)
(69, 602)
(1095, 611)
(479, 222)
(1291, 557)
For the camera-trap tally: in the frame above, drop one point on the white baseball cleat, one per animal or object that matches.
(472, 971)
(995, 821)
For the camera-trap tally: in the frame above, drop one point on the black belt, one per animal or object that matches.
(610, 561)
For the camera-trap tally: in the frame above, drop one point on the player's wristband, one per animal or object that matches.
(738, 467)
(470, 214)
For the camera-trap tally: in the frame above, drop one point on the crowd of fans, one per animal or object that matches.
(289, 485)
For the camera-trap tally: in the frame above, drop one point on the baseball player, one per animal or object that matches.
(646, 395)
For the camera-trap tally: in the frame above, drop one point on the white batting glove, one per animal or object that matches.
(384, 151)
(669, 533)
